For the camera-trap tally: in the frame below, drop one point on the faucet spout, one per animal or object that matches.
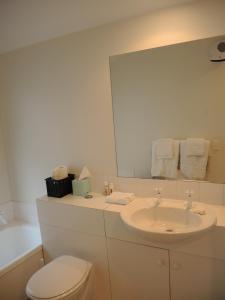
(158, 197)
(157, 202)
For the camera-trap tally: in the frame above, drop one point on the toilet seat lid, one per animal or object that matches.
(58, 277)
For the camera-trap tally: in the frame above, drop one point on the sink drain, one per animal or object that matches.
(169, 230)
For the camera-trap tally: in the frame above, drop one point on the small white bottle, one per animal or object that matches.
(111, 187)
(106, 188)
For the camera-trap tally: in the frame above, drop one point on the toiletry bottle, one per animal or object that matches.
(106, 188)
(111, 187)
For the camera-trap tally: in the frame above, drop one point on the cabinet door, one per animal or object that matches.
(138, 272)
(197, 278)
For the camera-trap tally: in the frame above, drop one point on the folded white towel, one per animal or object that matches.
(193, 167)
(164, 148)
(120, 198)
(165, 167)
(195, 147)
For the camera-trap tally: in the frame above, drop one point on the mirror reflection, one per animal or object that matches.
(169, 111)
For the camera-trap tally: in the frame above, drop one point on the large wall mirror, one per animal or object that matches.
(169, 111)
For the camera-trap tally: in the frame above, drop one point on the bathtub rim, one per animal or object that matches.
(25, 255)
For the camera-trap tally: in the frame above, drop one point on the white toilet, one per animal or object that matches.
(65, 278)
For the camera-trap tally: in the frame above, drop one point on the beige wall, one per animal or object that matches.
(174, 92)
(4, 180)
(56, 98)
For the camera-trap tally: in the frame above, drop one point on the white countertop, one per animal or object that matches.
(98, 202)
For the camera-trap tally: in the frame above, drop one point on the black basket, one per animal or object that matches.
(59, 188)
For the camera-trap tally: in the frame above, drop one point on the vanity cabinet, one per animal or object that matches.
(137, 271)
(127, 266)
(148, 273)
(196, 278)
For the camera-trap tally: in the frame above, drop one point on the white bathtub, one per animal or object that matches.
(20, 256)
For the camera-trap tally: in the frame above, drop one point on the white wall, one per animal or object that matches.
(56, 98)
(6, 205)
(4, 181)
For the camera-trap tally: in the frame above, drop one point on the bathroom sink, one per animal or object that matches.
(168, 221)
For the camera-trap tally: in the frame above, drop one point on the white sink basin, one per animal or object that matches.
(168, 222)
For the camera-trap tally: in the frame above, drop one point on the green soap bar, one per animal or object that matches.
(81, 187)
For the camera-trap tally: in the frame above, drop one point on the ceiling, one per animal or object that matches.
(24, 22)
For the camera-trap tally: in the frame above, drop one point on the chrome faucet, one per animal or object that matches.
(157, 202)
(158, 196)
(188, 202)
